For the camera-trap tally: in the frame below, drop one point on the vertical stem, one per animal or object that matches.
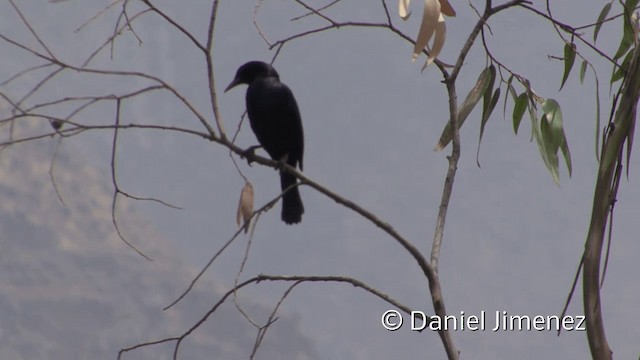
(619, 133)
(210, 72)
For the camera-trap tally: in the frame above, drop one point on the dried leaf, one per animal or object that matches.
(446, 8)
(430, 16)
(245, 206)
(403, 5)
(438, 42)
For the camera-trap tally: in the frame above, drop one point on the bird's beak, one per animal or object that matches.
(233, 84)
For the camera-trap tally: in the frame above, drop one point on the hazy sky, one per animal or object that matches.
(513, 238)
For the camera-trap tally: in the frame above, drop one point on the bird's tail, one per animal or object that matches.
(292, 208)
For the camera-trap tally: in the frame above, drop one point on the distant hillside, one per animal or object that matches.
(70, 289)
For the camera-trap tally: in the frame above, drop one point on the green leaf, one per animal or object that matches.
(492, 105)
(486, 76)
(544, 138)
(485, 117)
(569, 59)
(518, 110)
(630, 5)
(553, 115)
(628, 33)
(511, 91)
(566, 154)
(531, 106)
(547, 135)
(603, 14)
(554, 138)
(486, 96)
(583, 70)
(622, 70)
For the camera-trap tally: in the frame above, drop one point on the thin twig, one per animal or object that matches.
(255, 214)
(269, 278)
(211, 77)
(313, 12)
(31, 30)
(96, 16)
(115, 184)
(51, 168)
(572, 31)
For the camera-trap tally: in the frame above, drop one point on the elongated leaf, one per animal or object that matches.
(446, 8)
(566, 154)
(630, 5)
(518, 110)
(531, 106)
(550, 159)
(603, 14)
(569, 59)
(552, 131)
(245, 206)
(403, 5)
(469, 103)
(544, 139)
(553, 114)
(430, 16)
(438, 42)
(547, 135)
(583, 70)
(511, 91)
(492, 105)
(486, 96)
(622, 70)
(628, 35)
(486, 114)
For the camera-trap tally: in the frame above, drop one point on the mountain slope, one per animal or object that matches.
(71, 289)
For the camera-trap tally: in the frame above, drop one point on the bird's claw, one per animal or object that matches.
(249, 153)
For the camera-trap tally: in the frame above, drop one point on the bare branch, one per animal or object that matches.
(572, 31)
(173, 23)
(314, 11)
(269, 278)
(256, 213)
(33, 32)
(210, 73)
(115, 184)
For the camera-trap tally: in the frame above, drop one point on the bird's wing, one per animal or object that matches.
(275, 120)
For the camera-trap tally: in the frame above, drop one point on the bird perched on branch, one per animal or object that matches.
(275, 120)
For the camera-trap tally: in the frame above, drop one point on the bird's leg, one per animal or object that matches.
(283, 161)
(250, 152)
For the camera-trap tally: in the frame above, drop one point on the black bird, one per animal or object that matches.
(275, 120)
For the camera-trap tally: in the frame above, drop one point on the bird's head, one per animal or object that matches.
(251, 71)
